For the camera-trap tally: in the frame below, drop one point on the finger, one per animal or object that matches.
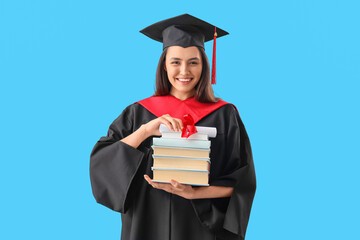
(148, 179)
(176, 184)
(165, 186)
(179, 124)
(162, 186)
(156, 184)
(174, 122)
(165, 121)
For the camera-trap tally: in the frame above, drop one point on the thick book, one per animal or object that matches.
(181, 152)
(184, 176)
(181, 162)
(184, 143)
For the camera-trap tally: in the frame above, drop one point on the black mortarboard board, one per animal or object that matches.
(185, 31)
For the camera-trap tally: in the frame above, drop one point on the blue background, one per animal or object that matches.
(69, 68)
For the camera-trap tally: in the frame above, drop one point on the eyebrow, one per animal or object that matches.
(194, 58)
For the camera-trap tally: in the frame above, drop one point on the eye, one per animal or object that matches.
(193, 63)
(175, 62)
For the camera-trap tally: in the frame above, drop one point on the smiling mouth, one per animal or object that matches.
(184, 79)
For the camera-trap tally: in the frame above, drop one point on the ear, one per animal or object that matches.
(165, 68)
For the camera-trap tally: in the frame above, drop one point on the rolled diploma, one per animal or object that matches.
(210, 131)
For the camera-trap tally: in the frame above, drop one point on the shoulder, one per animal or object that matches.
(228, 108)
(136, 114)
(132, 107)
(224, 114)
(229, 114)
(138, 104)
(131, 110)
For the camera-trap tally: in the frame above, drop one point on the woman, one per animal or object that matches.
(120, 163)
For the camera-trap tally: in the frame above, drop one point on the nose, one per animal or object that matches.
(184, 69)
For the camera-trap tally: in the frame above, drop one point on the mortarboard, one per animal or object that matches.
(185, 31)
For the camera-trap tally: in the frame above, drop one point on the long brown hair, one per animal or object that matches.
(203, 90)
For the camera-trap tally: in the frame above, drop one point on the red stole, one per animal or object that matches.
(160, 105)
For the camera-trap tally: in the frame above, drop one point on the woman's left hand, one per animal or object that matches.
(174, 187)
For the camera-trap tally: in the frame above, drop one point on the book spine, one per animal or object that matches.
(180, 169)
(193, 184)
(180, 157)
(184, 148)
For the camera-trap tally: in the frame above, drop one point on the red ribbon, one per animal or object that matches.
(189, 126)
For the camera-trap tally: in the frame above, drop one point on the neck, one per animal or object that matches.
(182, 96)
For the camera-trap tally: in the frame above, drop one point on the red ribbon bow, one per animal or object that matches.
(189, 126)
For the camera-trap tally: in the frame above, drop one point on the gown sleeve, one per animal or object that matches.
(114, 164)
(228, 217)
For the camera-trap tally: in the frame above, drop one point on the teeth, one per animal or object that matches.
(184, 79)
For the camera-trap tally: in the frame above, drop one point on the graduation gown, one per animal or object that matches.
(117, 170)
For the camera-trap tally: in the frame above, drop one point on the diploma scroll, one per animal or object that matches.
(210, 131)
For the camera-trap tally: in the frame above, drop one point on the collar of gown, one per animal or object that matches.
(160, 105)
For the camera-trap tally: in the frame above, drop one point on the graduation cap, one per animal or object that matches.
(185, 31)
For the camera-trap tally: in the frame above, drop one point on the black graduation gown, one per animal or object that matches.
(117, 170)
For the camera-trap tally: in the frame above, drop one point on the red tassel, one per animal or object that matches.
(213, 73)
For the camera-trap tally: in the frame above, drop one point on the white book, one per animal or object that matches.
(185, 143)
(210, 131)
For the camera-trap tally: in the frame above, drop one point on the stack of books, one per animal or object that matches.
(186, 160)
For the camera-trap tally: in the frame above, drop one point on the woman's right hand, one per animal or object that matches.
(152, 127)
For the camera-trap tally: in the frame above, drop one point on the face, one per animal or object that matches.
(183, 67)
